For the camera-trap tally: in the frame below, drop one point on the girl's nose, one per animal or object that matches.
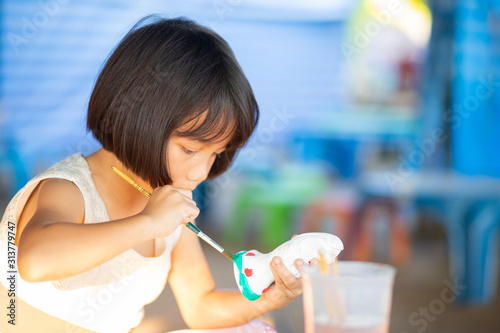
(199, 172)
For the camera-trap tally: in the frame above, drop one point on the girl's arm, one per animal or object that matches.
(204, 307)
(56, 244)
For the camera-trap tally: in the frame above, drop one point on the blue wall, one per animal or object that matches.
(52, 51)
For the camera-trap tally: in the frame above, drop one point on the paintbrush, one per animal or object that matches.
(338, 298)
(191, 226)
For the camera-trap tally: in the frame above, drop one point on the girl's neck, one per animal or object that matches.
(119, 196)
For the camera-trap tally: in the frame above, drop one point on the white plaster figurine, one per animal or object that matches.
(252, 271)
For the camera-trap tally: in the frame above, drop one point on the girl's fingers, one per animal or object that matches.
(190, 201)
(282, 276)
(191, 214)
(186, 193)
(299, 263)
(275, 264)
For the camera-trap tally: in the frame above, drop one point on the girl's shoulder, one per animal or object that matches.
(68, 182)
(56, 196)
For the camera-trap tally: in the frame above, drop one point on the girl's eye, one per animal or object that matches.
(190, 152)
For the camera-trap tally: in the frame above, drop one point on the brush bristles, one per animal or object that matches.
(228, 255)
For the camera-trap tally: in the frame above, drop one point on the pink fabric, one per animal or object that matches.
(254, 326)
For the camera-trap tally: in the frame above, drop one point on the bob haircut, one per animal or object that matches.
(160, 77)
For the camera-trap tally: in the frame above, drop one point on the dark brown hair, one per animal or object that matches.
(161, 76)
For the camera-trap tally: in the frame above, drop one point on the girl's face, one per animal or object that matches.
(190, 160)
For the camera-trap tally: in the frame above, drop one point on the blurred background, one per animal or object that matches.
(378, 124)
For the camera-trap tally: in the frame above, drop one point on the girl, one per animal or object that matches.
(171, 108)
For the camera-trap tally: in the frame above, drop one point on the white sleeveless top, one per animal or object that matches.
(108, 298)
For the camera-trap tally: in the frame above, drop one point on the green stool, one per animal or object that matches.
(277, 203)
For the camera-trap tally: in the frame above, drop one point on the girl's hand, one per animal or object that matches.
(169, 207)
(285, 288)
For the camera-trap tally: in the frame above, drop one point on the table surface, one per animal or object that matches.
(256, 326)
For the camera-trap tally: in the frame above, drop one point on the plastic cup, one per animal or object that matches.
(356, 298)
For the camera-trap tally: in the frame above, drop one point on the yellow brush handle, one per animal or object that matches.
(131, 181)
